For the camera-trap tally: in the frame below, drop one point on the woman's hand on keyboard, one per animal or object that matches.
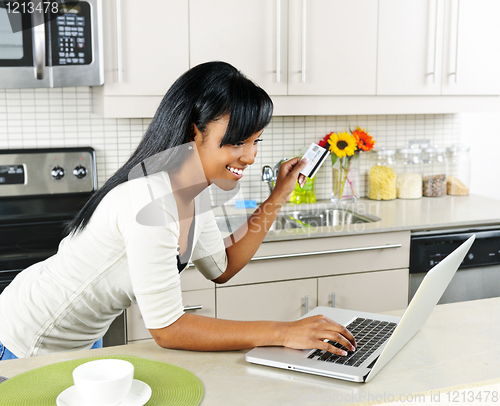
(312, 332)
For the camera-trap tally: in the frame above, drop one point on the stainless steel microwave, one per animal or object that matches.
(50, 43)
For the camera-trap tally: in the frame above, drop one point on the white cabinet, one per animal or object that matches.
(280, 301)
(249, 34)
(365, 272)
(410, 47)
(332, 47)
(471, 64)
(145, 50)
(374, 292)
(293, 47)
(438, 47)
(314, 57)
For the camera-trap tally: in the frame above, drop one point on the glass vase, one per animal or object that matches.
(304, 194)
(346, 180)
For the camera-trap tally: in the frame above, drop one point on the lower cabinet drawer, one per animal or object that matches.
(279, 301)
(373, 292)
(196, 301)
(317, 257)
(200, 302)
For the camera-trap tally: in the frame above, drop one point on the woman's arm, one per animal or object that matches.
(200, 333)
(240, 252)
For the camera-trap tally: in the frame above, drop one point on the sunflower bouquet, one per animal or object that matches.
(344, 148)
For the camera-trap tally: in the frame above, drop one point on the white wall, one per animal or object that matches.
(62, 117)
(481, 132)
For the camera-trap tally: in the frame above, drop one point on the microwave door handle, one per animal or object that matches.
(38, 33)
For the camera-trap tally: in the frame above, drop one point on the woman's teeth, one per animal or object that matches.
(234, 170)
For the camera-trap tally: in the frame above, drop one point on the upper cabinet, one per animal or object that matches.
(146, 49)
(249, 34)
(471, 62)
(332, 47)
(291, 47)
(314, 57)
(438, 47)
(410, 47)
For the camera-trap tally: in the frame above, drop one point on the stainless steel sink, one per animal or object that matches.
(301, 219)
(331, 217)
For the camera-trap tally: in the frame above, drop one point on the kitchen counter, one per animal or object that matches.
(399, 215)
(458, 345)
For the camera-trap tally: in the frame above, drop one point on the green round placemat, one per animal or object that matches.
(171, 385)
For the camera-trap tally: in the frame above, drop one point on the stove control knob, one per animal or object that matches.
(57, 172)
(80, 172)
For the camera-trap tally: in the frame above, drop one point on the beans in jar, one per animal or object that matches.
(434, 186)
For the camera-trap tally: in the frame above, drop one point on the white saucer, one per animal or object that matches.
(139, 394)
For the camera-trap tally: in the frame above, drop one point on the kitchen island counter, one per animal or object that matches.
(458, 345)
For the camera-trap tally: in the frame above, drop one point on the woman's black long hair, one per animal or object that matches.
(200, 96)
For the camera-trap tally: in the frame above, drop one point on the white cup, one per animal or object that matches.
(105, 382)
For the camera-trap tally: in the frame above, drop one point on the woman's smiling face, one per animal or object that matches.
(224, 165)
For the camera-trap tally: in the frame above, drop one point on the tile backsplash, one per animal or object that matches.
(62, 117)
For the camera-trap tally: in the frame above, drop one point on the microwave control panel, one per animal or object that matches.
(71, 36)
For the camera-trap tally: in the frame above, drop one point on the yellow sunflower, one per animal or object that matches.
(342, 144)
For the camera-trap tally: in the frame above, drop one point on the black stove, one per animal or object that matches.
(40, 191)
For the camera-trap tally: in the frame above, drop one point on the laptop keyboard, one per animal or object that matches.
(369, 334)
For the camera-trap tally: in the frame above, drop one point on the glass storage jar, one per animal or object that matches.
(409, 170)
(435, 168)
(459, 163)
(382, 175)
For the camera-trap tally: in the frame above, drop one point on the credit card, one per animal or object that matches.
(315, 156)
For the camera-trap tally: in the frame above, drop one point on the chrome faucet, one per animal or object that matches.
(270, 175)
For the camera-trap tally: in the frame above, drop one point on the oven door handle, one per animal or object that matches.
(38, 34)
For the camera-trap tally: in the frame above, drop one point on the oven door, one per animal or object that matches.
(22, 245)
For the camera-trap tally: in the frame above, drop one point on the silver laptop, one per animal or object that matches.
(378, 337)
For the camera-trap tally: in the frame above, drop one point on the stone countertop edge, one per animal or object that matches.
(447, 212)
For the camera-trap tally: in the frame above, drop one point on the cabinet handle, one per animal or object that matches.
(435, 43)
(332, 302)
(304, 20)
(456, 42)
(278, 41)
(38, 33)
(196, 307)
(306, 254)
(119, 49)
(306, 304)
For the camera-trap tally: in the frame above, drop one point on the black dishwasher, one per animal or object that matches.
(479, 274)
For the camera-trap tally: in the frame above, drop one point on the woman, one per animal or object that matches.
(134, 236)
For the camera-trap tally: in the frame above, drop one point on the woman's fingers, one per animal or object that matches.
(339, 339)
(340, 335)
(316, 331)
(296, 165)
(302, 180)
(344, 333)
(288, 175)
(327, 346)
